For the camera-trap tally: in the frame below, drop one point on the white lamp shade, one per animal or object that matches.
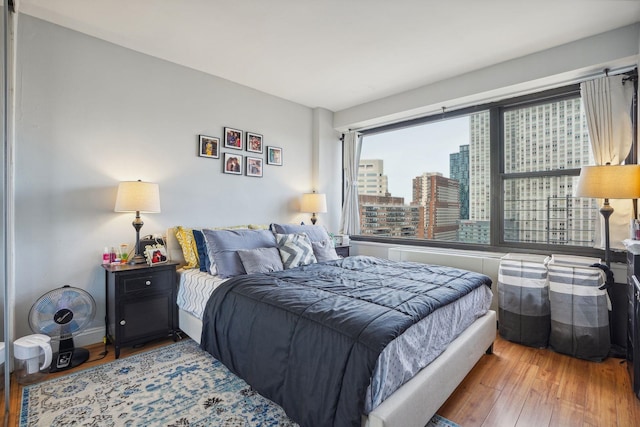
(138, 196)
(313, 203)
(609, 182)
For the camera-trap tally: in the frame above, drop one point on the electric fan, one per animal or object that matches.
(61, 313)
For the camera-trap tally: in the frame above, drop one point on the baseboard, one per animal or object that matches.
(89, 336)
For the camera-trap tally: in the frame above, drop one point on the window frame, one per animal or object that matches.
(498, 175)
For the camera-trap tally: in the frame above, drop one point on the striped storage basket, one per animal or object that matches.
(579, 309)
(523, 300)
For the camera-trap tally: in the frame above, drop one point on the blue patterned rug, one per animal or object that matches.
(176, 385)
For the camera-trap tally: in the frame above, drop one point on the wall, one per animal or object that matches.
(91, 114)
(553, 67)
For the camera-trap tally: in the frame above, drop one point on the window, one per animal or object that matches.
(538, 201)
(501, 174)
(434, 181)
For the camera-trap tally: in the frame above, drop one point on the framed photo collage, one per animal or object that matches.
(234, 160)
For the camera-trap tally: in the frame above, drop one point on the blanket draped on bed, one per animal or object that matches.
(308, 338)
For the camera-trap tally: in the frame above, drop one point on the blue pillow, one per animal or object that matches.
(225, 244)
(316, 233)
(201, 245)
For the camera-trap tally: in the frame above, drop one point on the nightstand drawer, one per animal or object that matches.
(147, 282)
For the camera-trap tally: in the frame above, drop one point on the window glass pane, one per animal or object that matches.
(550, 137)
(542, 210)
(428, 182)
(546, 137)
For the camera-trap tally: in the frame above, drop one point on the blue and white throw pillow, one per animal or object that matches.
(295, 250)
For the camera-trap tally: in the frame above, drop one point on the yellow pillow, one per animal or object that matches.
(258, 226)
(188, 244)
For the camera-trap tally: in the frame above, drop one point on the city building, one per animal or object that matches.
(542, 209)
(440, 198)
(389, 217)
(371, 178)
(459, 170)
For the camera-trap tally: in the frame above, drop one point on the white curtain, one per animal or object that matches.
(607, 103)
(352, 145)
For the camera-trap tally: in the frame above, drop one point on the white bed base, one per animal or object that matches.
(413, 404)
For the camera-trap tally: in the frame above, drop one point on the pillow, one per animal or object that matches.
(188, 244)
(324, 251)
(258, 226)
(201, 247)
(260, 260)
(295, 250)
(316, 233)
(225, 244)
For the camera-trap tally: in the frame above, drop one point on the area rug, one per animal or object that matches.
(176, 385)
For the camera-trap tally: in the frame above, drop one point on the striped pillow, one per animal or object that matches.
(295, 250)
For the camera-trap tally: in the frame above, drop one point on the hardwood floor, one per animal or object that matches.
(516, 386)
(522, 386)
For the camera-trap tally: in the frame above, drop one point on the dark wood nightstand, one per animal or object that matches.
(342, 250)
(141, 303)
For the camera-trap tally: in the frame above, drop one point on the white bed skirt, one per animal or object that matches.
(417, 400)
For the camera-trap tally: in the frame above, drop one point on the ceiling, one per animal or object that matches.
(336, 54)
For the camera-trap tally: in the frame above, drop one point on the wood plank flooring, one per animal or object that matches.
(517, 386)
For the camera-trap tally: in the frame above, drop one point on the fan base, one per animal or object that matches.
(68, 359)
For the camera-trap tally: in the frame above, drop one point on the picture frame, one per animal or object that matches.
(209, 146)
(155, 254)
(254, 166)
(232, 163)
(254, 142)
(274, 156)
(233, 138)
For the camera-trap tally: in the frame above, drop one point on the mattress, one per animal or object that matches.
(401, 359)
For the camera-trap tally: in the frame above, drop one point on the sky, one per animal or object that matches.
(410, 152)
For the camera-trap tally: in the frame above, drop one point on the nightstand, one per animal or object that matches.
(342, 250)
(141, 303)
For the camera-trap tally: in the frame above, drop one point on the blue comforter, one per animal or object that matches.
(308, 338)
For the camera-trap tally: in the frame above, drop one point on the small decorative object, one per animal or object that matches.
(233, 138)
(274, 156)
(155, 254)
(254, 166)
(124, 253)
(232, 163)
(254, 142)
(209, 147)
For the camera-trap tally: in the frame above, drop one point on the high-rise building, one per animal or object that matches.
(371, 178)
(459, 170)
(542, 209)
(479, 167)
(440, 198)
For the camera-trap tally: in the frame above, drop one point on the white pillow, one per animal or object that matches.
(324, 251)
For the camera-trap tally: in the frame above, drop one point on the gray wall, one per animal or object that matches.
(91, 114)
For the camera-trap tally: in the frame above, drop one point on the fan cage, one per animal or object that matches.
(78, 302)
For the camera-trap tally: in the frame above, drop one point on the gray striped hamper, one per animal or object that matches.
(523, 300)
(579, 309)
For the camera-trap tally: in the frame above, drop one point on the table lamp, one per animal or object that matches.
(609, 182)
(313, 203)
(138, 196)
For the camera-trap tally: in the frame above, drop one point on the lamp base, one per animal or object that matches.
(137, 259)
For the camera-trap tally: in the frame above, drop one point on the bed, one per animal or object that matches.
(415, 401)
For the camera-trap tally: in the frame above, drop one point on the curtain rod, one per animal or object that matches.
(631, 70)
